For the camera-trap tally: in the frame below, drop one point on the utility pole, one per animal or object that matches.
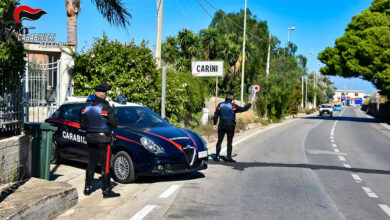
(243, 59)
(302, 94)
(288, 37)
(268, 56)
(315, 89)
(163, 88)
(159, 30)
(306, 94)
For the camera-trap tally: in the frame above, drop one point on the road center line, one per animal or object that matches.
(385, 208)
(342, 158)
(347, 165)
(169, 191)
(143, 212)
(369, 192)
(356, 178)
(336, 150)
(334, 145)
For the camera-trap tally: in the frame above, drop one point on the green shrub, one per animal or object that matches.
(131, 69)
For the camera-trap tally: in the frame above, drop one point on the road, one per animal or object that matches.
(308, 168)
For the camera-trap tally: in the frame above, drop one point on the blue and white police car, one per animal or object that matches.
(145, 143)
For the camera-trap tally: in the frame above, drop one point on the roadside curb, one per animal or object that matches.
(38, 199)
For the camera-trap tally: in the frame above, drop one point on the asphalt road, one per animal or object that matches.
(310, 168)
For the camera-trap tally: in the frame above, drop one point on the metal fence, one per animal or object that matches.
(42, 90)
(11, 105)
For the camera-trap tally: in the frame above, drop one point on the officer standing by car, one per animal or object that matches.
(226, 113)
(98, 118)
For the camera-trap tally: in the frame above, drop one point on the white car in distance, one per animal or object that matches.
(326, 109)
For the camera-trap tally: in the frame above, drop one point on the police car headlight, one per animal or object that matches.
(151, 146)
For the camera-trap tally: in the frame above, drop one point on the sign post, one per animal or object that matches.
(163, 88)
(208, 69)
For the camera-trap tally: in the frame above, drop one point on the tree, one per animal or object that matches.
(209, 38)
(170, 50)
(112, 10)
(364, 50)
(12, 52)
(131, 70)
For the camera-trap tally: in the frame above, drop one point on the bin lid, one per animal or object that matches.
(39, 126)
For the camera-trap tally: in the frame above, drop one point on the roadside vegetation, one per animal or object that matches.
(131, 70)
(364, 50)
(11, 50)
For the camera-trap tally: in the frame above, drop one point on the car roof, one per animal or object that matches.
(83, 99)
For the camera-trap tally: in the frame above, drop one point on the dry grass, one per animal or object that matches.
(247, 117)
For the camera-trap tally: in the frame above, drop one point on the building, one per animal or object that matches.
(349, 97)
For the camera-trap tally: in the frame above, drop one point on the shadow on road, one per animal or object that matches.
(170, 178)
(241, 166)
(344, 118)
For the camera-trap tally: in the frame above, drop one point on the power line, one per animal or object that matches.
(239, 26)
(204, 9)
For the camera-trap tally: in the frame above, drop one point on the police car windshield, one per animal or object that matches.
(138, 117)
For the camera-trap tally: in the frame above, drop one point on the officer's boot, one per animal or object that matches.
(88, 183)
(229, 154)
(218, 150)
(107, 191)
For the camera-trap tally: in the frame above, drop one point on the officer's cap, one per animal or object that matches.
(102, 87)
(230, 92)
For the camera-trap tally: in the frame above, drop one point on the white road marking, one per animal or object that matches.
(332, 140)
(385, 125)
(364, 114)
(336, 150)
(385, 208)
(356, 178)
(342, 158)
(143, 212)
(347, 165)
(167, 193)
(367, 116)
(369, 192)
(256, 133)
(334, 145)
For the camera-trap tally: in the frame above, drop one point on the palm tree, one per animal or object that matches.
(170, 50)
(189, 43)
(112, 10)
(209, 38)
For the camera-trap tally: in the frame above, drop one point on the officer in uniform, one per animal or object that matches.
(226, 113)
(98, 119)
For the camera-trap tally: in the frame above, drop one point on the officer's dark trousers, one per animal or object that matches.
(98, 152)
(221, 134)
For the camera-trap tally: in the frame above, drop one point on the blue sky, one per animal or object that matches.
(318, 23)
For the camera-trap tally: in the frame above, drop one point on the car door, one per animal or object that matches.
(75, 145)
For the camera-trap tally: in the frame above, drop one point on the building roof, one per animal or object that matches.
(352, 91)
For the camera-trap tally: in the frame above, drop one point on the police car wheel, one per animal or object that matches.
(54, 156)
(123, 168)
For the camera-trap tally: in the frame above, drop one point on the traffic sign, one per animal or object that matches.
(253, 89)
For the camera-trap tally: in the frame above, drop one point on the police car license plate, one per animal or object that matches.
(202, 154)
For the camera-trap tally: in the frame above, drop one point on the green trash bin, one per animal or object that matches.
(42, 134)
